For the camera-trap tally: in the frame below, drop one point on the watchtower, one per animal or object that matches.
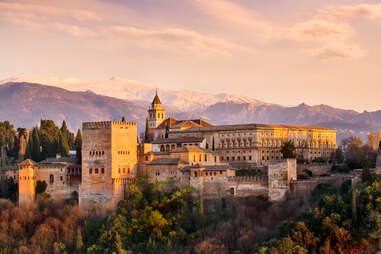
(109, 162)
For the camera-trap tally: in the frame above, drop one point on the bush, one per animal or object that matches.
(319, 160)
(341, 168)
(323, 189)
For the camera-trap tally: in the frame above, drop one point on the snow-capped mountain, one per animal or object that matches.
(135, 91)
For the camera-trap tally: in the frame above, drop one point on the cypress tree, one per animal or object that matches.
(78, 241)
(354, 208)
(36, 152)
(67, 135)
(63, 146)
(146, 132)
(29, 148)
(78, 146)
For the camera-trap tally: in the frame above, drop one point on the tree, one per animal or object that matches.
(63, 146)
(41, 187)
(288, 150)
(29, 148)
(354, 153)
(339, 155)
(367, 176)
(67, 135)
(78, 241)
(373, 140)
(49, 137)
(36, 145)
(78, 146)
(146, 133)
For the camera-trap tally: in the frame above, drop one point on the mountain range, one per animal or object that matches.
(25, 103)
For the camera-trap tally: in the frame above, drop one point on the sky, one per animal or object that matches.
(279, 51)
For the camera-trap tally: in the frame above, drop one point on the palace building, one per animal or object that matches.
(248, 145)
(188, 153)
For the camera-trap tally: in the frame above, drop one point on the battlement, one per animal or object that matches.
(106, 124)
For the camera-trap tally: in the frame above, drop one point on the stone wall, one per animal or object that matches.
(317, 169)
(59, 186)
(245, 186)
(303, 188)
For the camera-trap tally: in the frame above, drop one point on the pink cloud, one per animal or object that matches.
(180, 40)
(337, 52)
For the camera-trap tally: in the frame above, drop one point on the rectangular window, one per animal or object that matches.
(205, 157)
(103, 170)
(96, 171)
(90, 171)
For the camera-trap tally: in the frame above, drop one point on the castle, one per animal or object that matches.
(191, 153)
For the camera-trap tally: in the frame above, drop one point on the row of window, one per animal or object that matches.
(96, 170)
(124, 170)
(74, 170)
(233, 158)
(159, 115)
(207, 173)
(167, 148)
(6, 177)
(96, 153)
(123, 152)
(200, 157)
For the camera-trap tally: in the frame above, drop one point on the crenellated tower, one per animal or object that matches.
(156, 113)
(109, 162)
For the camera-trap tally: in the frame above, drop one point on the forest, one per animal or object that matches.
(156, 219)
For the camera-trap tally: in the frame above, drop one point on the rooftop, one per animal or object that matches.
(178, 140)
(254, 127)
(209, 168)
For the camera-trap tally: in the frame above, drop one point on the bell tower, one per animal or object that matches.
(156, 113)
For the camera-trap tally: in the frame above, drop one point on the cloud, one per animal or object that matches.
(365, 11)
(318, 30)
(36, 13)
(232, 13)
(84, 24)
(180, 40)
(337, 52)
(77, 31)
(329, 32)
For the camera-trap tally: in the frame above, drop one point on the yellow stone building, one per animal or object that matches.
(251, 145)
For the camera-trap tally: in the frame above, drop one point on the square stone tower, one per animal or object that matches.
(109, 162)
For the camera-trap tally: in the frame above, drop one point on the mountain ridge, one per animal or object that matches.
(24, 104)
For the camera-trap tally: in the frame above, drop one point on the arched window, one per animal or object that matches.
(51, 179)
